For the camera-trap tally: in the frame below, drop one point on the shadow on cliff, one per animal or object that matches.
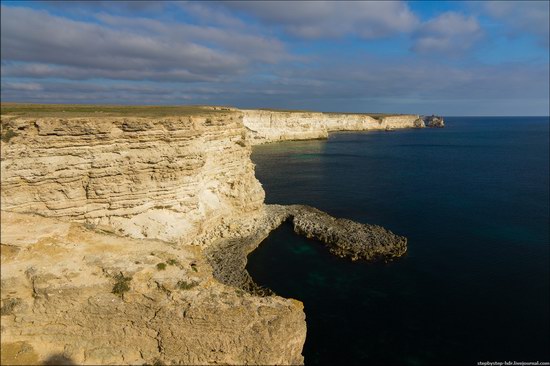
(58, 359)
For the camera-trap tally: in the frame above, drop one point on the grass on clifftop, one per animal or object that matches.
(83, 110)
(91, 110)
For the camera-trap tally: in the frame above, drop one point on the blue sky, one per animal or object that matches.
(445, 57)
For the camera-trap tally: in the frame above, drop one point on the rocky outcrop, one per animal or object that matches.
(347, 238)
(265, 126)
(344, 238)
(76, 295)
(434, 121)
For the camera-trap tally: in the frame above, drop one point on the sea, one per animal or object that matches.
(473, 200)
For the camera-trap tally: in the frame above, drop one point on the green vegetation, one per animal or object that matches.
(9, 306)
(161, 266)
(91, 110)
(194, 267)
(7, 134)
(172, 262)
(183, 285)
(84, 110)
(122, 284)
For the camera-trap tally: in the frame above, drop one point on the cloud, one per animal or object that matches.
(252, 47)
(92, 92)
(523, 16)
(33, 87)
(234, 54)
(44, 71)
(370, 77)
(318, 19)
(363, 84)
(126, 48)
(83, 7)
(450, 33)
(211, 15)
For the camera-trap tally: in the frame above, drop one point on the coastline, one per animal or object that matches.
(184, 180)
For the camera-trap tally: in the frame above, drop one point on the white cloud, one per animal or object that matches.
(523, 16)
(318, 19)
(32, 87)
(450, 33)
(39, 44)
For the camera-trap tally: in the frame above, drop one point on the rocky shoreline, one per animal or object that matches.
(344, 238)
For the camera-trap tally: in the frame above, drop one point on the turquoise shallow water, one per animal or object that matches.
(473, 200)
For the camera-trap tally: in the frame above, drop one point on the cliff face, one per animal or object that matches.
(124, 239)
(183, 180)
(269, 126)
(165, 178)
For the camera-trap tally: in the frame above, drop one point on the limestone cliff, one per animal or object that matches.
(124, 236)
(82, 292)
(73, 295)
(165, 178)
(269, 126)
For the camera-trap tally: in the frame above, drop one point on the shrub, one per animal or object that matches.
(7, 134)
(122, 284)
(161, 266)
(9, 306)
(183, 285)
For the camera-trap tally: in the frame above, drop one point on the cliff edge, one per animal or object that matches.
(264, 126)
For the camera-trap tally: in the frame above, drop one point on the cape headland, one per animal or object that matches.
(125, 233)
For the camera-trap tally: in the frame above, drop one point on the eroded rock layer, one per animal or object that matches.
(165, 178)
(265, 126)
(80, 296)
(344, 238)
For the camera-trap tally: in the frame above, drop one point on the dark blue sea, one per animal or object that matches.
(473, 201)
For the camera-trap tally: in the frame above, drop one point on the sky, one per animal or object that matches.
(444, 57)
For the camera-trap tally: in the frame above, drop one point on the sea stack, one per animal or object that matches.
(434, 121)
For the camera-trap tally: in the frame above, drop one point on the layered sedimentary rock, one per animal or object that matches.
(265, 126)
(165, 178)
(124, 239)
(183, 180)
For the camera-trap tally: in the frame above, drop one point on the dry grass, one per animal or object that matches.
(91, 110)
(83, 110)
